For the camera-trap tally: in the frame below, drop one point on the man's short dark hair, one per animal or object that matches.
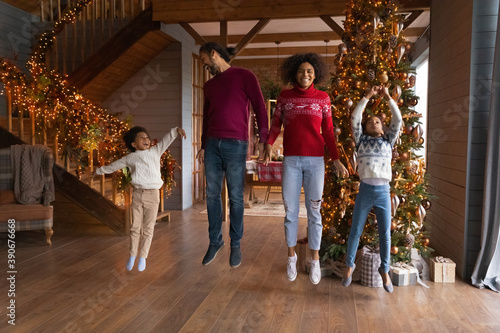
(224, 52)
(130, 136)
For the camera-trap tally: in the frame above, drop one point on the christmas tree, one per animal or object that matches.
(373, 53)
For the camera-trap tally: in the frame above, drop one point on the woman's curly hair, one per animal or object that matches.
(291, 65)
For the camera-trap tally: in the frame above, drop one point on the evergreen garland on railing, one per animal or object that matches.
(60, 109)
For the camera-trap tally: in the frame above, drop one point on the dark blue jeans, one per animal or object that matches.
(225, 157)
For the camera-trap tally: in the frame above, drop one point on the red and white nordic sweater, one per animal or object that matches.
(307, 120)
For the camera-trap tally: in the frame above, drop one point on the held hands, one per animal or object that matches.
(265, 153)
(181, 132)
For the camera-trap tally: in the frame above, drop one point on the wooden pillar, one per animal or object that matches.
(8, 91)
(32, 119)
(223, 33)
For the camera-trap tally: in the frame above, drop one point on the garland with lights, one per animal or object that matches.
(61, 111)
(373, 53)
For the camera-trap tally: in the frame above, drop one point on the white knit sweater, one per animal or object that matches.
(144, 165)
(375, 154)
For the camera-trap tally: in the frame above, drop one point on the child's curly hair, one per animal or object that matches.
(130, 136)
(291, 65)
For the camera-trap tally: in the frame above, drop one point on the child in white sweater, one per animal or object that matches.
(374, 149)
(144, 164)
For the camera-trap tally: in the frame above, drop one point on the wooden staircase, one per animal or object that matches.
(83, 203)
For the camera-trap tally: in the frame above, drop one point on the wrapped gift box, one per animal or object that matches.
(370, 262)
(403, 275)
(442, 270)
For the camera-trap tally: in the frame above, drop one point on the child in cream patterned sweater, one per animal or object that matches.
(374, 168)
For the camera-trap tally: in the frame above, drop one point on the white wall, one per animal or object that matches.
(158, 98)
(188, 48)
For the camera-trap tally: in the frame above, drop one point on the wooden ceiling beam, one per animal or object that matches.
(333, 25)
(251, 35)
(300, 36)
(414, 15)
(223, 33)
(175, 11)
(189, 29)
(285, 51)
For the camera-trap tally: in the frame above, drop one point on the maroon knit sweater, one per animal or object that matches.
(226, 106)
(307, 120)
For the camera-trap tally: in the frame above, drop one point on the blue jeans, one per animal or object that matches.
(370, 196)
(307, 171)
(225, 157)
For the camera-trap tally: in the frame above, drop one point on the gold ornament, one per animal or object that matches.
(394, 226)
(383, 78)
(396, 92)
(412, 81)
(394, 204)
(400, 51)
(417, 132)
(342, 48)
(426, 204)
(412, 101)
(408, 129)
(420, 212)
(394, 249)
(348, 103)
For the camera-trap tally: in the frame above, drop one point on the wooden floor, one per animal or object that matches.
(80, 285)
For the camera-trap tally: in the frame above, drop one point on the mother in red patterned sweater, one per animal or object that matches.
(305, 114)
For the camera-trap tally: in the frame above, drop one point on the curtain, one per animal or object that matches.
(487, 269)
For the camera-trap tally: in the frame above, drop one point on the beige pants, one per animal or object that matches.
(144, 212)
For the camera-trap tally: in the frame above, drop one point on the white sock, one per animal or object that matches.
(130, 263)
(142, 264)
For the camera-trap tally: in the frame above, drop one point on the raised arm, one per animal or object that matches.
(167, 139)
(396, 118)
(115, 166)
(357, 114)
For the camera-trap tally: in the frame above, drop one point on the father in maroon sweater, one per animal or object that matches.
(224, 142)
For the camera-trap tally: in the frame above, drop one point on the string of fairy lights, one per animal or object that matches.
(372, 52)
(61, 111)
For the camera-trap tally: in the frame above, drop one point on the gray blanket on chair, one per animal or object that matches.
(32, 169)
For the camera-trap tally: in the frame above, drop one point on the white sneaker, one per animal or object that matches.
(315, 272)
(291, 268)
